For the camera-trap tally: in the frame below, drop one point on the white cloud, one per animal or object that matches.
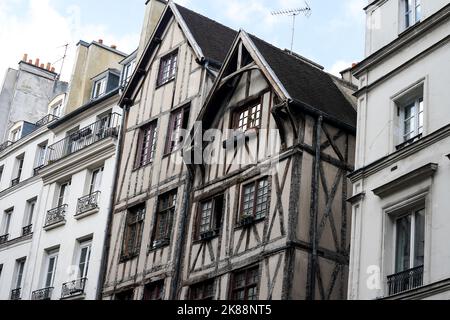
(41, 31)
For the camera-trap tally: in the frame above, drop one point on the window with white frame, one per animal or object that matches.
(6, 223)
(63, 195)
(167, 68)
(84, 255)
(128, 70)
(56, 109)
(411, 116)
(412, 12)
(20, 267)
(96, 180)
(15, 135)
(41, 154)
(50, 268)
(31, 208)
(99, 88)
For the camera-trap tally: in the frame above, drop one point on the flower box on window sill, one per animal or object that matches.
(208, 235)
(247, 221)
(157, 244)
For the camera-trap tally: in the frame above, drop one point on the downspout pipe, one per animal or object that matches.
(107, 244)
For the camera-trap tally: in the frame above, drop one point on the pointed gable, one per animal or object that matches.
(307, 84)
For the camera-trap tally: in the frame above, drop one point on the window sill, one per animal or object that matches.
(254, 222)
(127, 258)
(160, 245)
(216, 235)
(159, 85)
(239, 135)
(143, 166)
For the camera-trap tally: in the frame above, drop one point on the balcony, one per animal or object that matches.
(409, 142)
(84, 138)
(26, 231)
(5, 145)
(36, 170)
(406, 280)
(56, 217)
(46, 120)
(15, 182)
(4, 238)
(88, 204)
(73, 288)
(15, 294)
(42, 294)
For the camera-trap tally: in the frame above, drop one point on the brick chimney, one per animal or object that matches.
(113, 46)
(48, 66)
(25, 57)
(100, 41)
(36, 63)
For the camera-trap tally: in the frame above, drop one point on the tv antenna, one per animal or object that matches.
(63, 59)
(306, 10)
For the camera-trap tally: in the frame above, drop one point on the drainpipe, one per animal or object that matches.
(106, 246)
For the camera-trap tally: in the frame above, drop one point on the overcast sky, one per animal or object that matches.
(333, 36)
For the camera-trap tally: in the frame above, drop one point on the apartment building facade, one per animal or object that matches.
(400, 220)
(73, 182)
(156, 250)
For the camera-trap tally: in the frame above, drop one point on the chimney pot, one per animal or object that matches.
(30, 61)
(48, 66)
(52, 69)
(42, 66)
(354, 64)
(36, 63)
(25, 57)
(100, 41)
(114, 46)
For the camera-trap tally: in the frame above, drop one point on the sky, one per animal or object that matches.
(332, 36)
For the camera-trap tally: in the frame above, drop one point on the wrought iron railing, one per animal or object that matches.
(46, 120)
(406, 280)
(5, 145)
(56, 215)
(409, 141)
(84, 138)
(15, 182)
(88, 203)
(73, 288)
(27, 230)
(42, 294)
(15, 294)
(4, 238)
(37, 169)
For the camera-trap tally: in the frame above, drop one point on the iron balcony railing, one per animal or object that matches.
(5, 145)
(42, 294)
(36, 170)
(73, 288)
(88, 203)
(46, 120)
(100, 130)
(27, 230)
(15, 294)
(15, 182)
(405, 280)
(409, 141)
(56, 215)
(4, 238)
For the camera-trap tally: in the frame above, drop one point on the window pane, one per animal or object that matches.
(418, 11)
(419, 238)
(403, 243)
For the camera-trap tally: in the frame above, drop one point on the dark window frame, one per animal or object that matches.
(146, 149)
(216, 215)
(248, 272)
(154, 290)
(178, 120)
(255, 183)
(171, 58)
(202, 291)
(164, 219)
(249, 124)
(132, 234)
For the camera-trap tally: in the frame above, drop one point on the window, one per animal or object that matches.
(41, 154)
(167, 68)
(248, 117)
(410, 241)
(6, 222)
(178, 121)
(412, 11)
(126, 295)
(202, 291)
(99, 88)
(245, 284)
(255, 199)
(133, 231)
(410, 112)
(52, 261)
(164, 219)
(18, 170)
(56, 109)
(31, 207)
(15, 135)
(83, 259)
(20, 266)
(1, 172)
(128, 72)
(63, 196)
(154, 291)
(146, 145)
(96, 180)
(210, 215)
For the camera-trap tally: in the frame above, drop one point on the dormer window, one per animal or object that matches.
(15, 135)
(167, 68)
(99, 88)
(412, 10)
(56, 109)
(128, 70)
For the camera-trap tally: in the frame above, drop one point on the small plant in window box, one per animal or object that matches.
(160, 243)
(247, 220)
(208, 235)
